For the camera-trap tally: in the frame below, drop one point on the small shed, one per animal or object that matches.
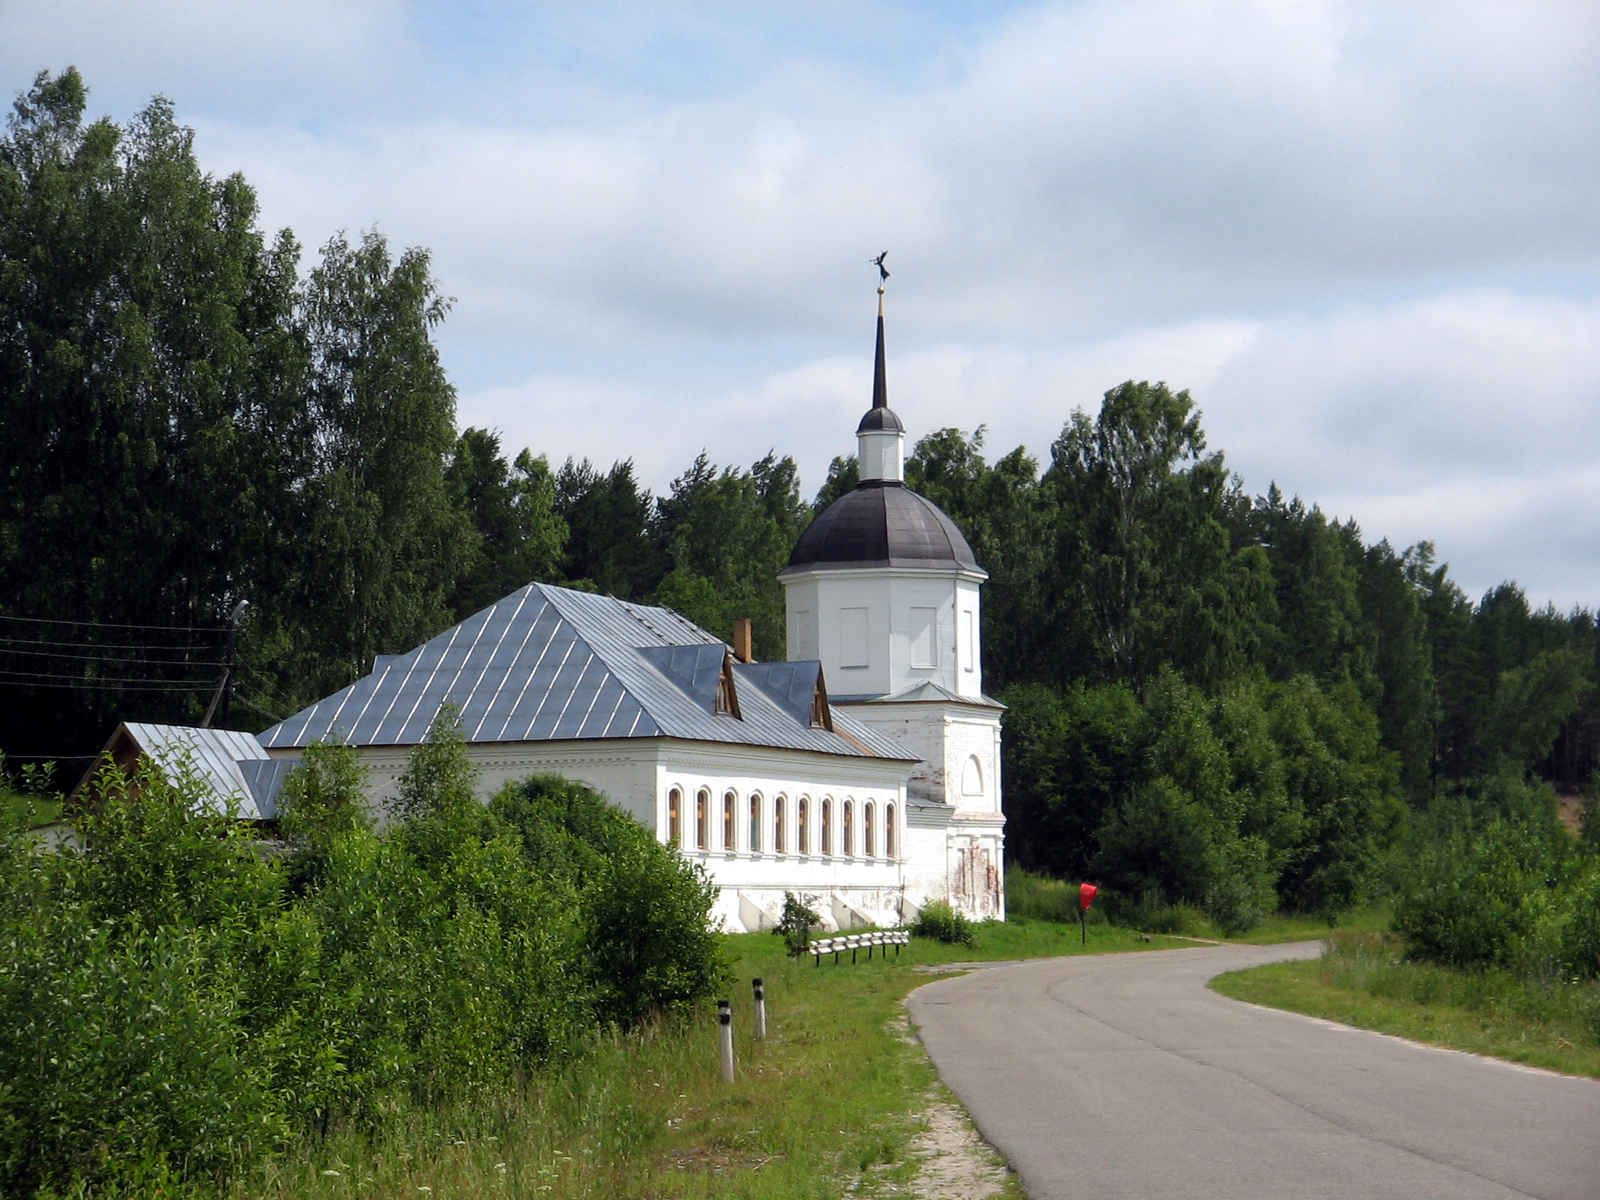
(236, 770)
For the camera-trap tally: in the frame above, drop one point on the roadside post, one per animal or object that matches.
(761, 1009)
(725, 1023)
(1086, 894)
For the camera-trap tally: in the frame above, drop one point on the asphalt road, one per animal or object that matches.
(1122, 1077)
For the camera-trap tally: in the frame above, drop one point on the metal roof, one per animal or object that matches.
(882, 523)
(551, 664)
(923, 692)
(231, 764)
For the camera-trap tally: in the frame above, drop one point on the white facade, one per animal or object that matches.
(880, 630)
(760, 821)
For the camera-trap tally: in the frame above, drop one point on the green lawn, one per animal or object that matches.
(827, 1106)
(1362, 981)
(38, 810)
(1296, 927)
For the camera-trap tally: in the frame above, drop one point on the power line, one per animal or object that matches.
(103, 645)
(151, 662)
(113, 625)
(132, 685)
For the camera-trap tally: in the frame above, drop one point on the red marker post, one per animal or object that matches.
(1086, 895)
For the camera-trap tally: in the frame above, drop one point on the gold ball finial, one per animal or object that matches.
(880, 289)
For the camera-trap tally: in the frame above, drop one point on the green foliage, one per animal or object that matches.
(1041, 898)
(175, 1003)
(728, 534)
(1258, 796)
(795, 924)
(1154, 577)
(941, 923)
(323, 797)
(1069, 756)
(644, 912)
(1491, 880)
(608, 520)
(512, 506)
(439, 784)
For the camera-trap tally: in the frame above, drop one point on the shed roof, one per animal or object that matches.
(232, 765)
(550, 664)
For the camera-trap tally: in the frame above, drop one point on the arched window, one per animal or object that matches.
(827, 826)
(972, 777)
(888, 831)
(674, 815)
(730, 809)
(867, 846)
(702, 818)
(777, 825)
(755, 822)
(847, 831)
(802, 831)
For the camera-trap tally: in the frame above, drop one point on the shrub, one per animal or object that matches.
(1490, 877)
(644, 912)
(176, 1003)
(1040, 898)
(795, 924)
(941, 923)
(1580, 932)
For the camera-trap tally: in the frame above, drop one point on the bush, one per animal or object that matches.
(796, 923)
(175, 1003)
(644, 912)
(941, 923)
(1490, 881)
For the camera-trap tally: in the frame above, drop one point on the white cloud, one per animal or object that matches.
(1364, 234)
(1469, 419)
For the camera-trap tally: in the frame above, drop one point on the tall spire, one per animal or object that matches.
(880, 375)
(880, 438)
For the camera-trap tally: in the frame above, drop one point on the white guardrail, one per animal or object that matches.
(856, 942)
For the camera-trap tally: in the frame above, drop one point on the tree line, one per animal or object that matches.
(191, 417)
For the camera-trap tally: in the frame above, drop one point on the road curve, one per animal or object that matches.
(1122, 1077)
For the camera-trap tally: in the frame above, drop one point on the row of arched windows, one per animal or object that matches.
(693, 829)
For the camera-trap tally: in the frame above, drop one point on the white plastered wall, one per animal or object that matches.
(639, 774)
(896, 601)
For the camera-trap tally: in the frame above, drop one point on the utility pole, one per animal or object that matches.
(224, 692)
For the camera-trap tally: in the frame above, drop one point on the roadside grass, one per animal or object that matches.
(1363, 981)
(827, 1106)
(1302, 927)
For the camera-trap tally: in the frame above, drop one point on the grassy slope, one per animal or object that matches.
(36, 809)
(1362, 982)
(828, 1105)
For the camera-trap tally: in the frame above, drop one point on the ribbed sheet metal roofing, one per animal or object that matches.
(233, 765)
(551, 664)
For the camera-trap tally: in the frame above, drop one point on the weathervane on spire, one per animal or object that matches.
(883, 271)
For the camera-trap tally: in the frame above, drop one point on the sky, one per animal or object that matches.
(1365, 236)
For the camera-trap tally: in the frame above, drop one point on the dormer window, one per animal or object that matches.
(727, 695)
(821, 714)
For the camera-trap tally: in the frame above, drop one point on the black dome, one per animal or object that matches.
(880, 417)
(882, 524)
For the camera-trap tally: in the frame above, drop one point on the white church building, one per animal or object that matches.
(863, 773)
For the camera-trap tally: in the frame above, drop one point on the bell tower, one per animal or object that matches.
(884, 591)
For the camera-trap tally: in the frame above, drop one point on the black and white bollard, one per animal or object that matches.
(761, 1009)
(725, 1027)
